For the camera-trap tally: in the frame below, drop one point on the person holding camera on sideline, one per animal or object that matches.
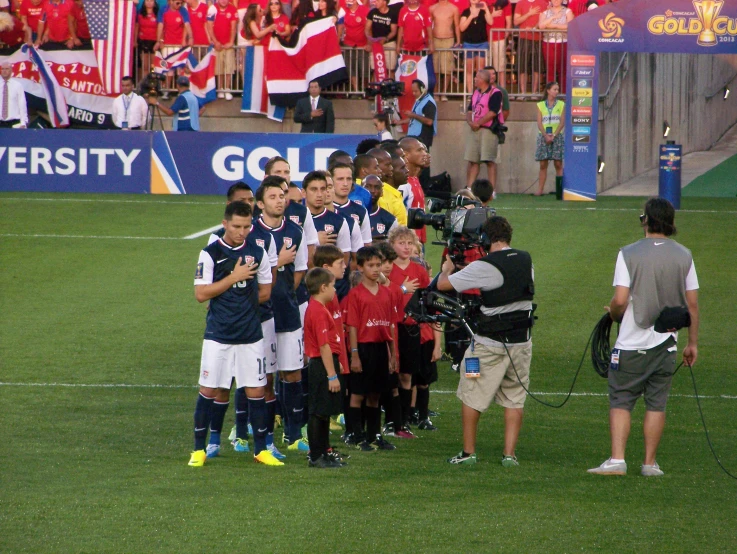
(482, 135)
(655, 294)
(496, 365)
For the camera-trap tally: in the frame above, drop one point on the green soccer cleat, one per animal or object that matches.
(300, 445)
(509, 461)
(267, 458)
(461, 459)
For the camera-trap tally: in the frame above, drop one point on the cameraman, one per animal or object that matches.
(500, 353)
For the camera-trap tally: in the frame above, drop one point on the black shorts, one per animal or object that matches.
(409, 349)
(322, 401)
(428, 373)
(373, 379)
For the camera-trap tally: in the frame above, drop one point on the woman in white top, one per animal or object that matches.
(556, 18)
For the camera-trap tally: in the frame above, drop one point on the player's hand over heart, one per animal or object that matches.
(411, 285)
(287, 255)
(242, 272)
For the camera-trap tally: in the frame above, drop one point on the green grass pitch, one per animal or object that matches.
(91, 468)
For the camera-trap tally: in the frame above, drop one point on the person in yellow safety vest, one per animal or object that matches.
(550, 123)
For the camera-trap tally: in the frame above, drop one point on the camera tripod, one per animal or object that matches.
(151, 114)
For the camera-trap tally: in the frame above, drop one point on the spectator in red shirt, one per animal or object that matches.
(146, 29)
(81, 28)
(275, 16)
(529, 55)
(174, 29)
(302, 11)
(415, 28)
(501, 19)
(353, 35)
(198, 11)
(30, 13)
(57, 25)
(222, 19)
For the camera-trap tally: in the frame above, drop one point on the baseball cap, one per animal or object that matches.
(183, 81)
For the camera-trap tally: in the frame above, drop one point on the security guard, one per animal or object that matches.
(497, 364)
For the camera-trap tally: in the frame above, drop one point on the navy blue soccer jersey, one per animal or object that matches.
(359, 215)
(233, 315)
(381, 222)
(297, 213)
(283, 297)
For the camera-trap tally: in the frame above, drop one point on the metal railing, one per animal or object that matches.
(525, 61)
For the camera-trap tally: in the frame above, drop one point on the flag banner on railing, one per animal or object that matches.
(178, 58)
(411, 67)
(112, 28)
(63, 83)
(315, 55)
(202, 76)
(255, 95)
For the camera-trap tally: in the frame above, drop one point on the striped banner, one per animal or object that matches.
(255, 97)
(55, 102)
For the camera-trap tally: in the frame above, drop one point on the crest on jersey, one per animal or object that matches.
(329, 229)
(248, 260)
(355, 217)
(260, 242)
(199, 271)
(380, 228)
(288, 242)
(294, 218)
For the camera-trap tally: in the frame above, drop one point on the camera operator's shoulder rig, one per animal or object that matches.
(516, 268)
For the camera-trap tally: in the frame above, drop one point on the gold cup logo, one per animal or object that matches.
(707, 11)
(611, 26)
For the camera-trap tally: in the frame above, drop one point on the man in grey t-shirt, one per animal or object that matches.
(497, 364)
(651, 274)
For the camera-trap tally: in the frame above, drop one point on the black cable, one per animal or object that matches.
(573, 384)
(601, 351)
(703, 421)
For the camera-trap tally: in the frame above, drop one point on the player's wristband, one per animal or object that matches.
(404, 289)
(354, 349)
(333, 378)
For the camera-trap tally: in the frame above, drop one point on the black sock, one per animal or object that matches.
(257, 411)
(241, 414)
(202, 414)
(405, 399)
(216, 420)
(324, 434)
(396, 412)
(386, 402)
(313, 436)
(423, 401)
(355, 416)
(373, 423)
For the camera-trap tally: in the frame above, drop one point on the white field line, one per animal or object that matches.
(202, 233)
(122, 237)
(498, 205)
(154, 386)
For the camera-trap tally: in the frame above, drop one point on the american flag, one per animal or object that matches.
(112, 26)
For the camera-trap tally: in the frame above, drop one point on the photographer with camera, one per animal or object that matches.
(485, 126)
(496, 365)
(130, 110)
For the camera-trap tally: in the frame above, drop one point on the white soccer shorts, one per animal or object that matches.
(222, 362)
(290, 350)
(269, 331)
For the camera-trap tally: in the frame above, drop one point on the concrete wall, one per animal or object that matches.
(664, 87)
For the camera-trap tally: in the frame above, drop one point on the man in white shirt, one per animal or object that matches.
(654, 280)
(13, 111)
(130, 110)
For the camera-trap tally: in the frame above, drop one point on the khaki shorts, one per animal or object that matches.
(443, 61)
(481, 145)
(390, 53)
(497, 380)
(225, 62)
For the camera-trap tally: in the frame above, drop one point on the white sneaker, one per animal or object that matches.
(221, 95)
(651, 471)
(212, 451)
(610, 468)
(228, 96)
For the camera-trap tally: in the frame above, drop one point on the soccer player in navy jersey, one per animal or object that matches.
(241, 192)
(342, 183)
(315, 190)
(234, 275)
(289, 239)
(381, 220)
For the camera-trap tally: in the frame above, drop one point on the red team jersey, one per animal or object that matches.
(147, 25)
(412, 271)
(173, 24)
(83, 30)
(32, 12)
(223, 19)
(415, 24)
(55, 17)
(197, 18)
(373, 315)
(321, 327)
(355, 27)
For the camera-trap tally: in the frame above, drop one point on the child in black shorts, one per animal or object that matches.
(324, 345)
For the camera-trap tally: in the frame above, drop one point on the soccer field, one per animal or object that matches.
(99, 357)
